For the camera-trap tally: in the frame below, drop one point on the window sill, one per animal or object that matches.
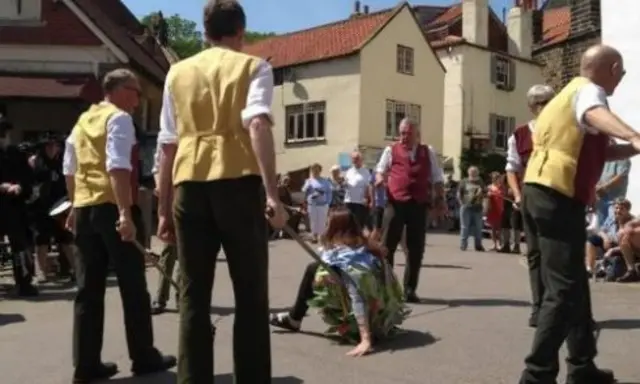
(304, 143)
(405, 73)
(21, 23)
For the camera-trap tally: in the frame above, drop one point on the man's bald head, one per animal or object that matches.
(603, 65)
(408, 132)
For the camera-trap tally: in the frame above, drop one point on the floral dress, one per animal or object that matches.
(368, 286)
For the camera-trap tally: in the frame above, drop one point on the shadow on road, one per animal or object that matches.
(440, 266)
(58, 291)
(11, 318)
(227, 378)
(476, 302)
(619, 324)
(160, 378)
(407, 339)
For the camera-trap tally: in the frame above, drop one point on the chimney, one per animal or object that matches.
(585, 17)
(356, 7)
(366, 9)
(520, 28)
(475, 21)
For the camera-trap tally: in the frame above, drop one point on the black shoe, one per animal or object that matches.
(592, 376)
(516, 250)
(158, 308)
(629, 277)
(480, 248)
(101, 372)
(504, 249)
(27, 290)
(533, 320)
(158, 363)
(411, 297)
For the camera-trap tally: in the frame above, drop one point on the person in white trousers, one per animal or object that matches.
(317, 192)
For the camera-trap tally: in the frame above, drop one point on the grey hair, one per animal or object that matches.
(116, 78)
(540, 93)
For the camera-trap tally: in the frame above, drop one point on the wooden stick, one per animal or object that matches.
(153, 258)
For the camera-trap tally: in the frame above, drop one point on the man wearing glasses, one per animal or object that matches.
(519, 147)
(101, 172)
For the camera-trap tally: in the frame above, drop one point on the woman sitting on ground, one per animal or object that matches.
(366, 304)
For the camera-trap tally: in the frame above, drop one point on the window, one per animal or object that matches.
(404, 60)
(501, 127)
(396, 111)
(305, 122)
(503, 73)
(20, 10)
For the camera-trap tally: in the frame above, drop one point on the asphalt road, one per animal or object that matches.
(471, 328)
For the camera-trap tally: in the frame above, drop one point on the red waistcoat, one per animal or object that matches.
(409, 179)
(590, 166)
(524, 144)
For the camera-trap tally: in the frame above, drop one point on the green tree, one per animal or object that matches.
(252, 37)
(486, 162)
(183, 35)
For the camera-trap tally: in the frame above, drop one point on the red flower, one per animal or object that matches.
(343, 329)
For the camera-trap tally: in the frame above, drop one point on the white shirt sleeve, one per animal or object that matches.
(260, 94)
(589, 96)
(513, 157)
(120, 140)
(69, 162)
(168, 133)
(437, 176)
(156, 159)
(385, 161)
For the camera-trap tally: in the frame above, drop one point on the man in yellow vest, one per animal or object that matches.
(571, 143)
(218, 159)
(99, 165)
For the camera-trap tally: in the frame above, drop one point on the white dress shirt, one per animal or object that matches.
(357, 181)
(259, 100)
(589, 96)
(121, 138)
(437, 175)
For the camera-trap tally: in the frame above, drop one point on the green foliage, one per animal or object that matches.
(253, 37)
(486, 162)
(184, 37)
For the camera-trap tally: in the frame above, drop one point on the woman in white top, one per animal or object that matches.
(358, 190)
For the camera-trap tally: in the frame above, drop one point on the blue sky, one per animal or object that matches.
(281, 15)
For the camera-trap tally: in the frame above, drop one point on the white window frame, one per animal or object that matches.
(296, 111)
(501, 131)
(405, 63)
(396, 111)
(502, 72)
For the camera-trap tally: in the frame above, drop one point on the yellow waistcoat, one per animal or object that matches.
(89, 136)
(557, 142)
(209, 92)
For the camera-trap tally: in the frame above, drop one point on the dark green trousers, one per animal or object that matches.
(554, 224)
(98, 242)
(227, 214)
(168, 258)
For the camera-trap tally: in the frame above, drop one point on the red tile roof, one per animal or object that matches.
(48, 87)
(321, 43)
(556, 24)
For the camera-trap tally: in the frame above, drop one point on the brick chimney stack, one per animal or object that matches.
(475, 21)
(585, 17)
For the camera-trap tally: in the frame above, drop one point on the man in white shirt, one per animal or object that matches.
(358, 190)
(218, 159)
(571, 144)
(98, 171)
(415, 183)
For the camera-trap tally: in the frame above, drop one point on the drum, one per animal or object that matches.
(61, 206)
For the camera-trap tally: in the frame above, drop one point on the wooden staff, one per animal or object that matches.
(153, 258)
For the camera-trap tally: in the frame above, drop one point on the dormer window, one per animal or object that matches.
(20, 10)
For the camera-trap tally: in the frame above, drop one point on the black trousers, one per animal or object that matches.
(413, 216)
(98, 242)
(360, 212)
(305, 292)
(227, 214)
(14, 224)
(555, 232)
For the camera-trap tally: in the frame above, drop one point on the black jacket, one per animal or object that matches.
(15, 169)
(48, 179)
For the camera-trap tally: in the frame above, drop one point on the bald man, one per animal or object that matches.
(571, 143)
